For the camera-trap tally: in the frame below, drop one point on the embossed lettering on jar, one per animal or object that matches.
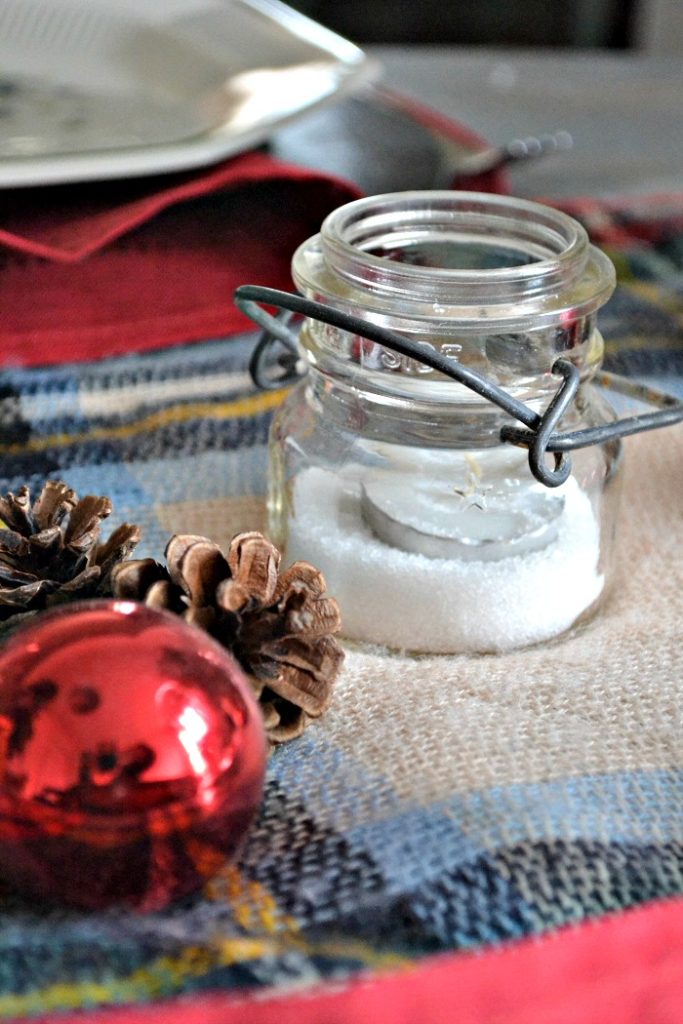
(432, 533)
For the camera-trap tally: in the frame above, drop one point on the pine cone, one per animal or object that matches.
(279, 627)
(50, 551)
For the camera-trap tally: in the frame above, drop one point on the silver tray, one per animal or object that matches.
(116, 88)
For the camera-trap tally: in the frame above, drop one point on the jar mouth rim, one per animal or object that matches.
(565, 241)
(549, 269)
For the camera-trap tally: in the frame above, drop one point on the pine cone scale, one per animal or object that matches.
(12, 545)
(205, 618)
(254, 563)
(319, 619)
(261, 668)
(303, 576)
(232, 596)
(46, 542)
(203, 567)
(15, 577)
(136, 576)
(85, 519)
(84, 578)
(310, 693)
(271, 718)
(289, 721)
(15, 511)
(175, 552)
(24, 596)
(163, 595)
(119, 545)
(314, 656)
(295, 654)
(53, 503)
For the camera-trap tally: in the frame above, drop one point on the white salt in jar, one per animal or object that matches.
(433, 534)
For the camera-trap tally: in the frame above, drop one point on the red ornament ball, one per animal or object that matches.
(132, 756)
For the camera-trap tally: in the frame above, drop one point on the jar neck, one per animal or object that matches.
(438, 415)
(521, 364)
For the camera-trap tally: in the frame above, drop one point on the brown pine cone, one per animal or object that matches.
(279, 626)
(50, 550)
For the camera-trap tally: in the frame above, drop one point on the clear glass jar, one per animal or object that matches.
(432, 533)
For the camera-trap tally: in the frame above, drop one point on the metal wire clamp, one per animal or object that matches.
(539, 436)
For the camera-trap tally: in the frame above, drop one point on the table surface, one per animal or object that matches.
(622, 109)
(438, 806)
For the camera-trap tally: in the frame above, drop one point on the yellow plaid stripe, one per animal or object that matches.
(251, 405)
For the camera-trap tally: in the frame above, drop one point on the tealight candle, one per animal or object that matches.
(432, 532)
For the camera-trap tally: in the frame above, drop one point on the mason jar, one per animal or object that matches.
(432, 533)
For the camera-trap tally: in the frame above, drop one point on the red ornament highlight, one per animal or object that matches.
(132, 756)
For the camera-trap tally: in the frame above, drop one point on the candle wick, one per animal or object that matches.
(473, 495)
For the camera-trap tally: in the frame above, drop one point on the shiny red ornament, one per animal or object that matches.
(132, 756)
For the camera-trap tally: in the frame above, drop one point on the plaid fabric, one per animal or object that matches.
(350, 867)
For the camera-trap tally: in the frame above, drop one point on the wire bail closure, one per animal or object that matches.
(538, 438)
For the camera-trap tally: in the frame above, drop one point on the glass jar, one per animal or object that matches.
(432, 533)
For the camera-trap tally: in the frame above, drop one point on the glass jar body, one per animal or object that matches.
(432, 533)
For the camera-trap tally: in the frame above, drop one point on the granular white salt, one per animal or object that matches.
(411, 602)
